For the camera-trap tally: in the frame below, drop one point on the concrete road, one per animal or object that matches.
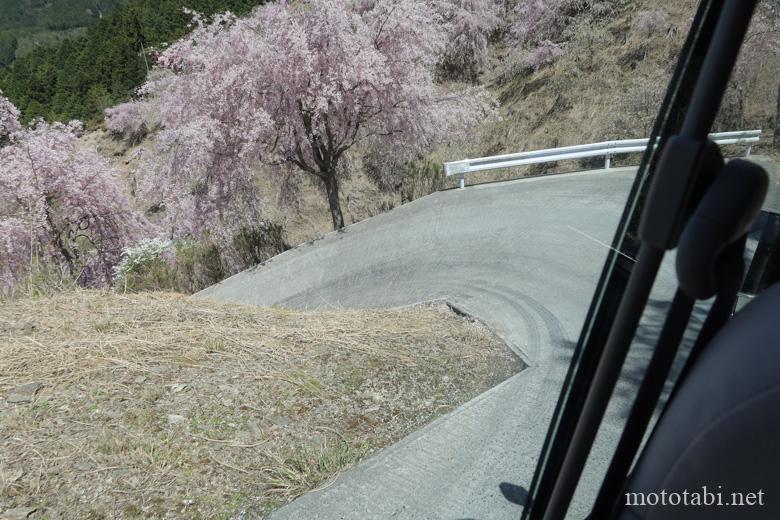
(524, 257)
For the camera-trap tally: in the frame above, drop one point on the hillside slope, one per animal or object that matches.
(160, 406)
(609, 82)
(597, 70)
(80, 76)
(27, 24)
(606, 82)
(606, 85)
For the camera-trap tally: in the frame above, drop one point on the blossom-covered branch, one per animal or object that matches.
(62, 205)
(298, 84)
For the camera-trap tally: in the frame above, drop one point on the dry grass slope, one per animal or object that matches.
(158, 406)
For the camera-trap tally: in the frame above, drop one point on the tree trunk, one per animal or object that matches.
(58, 244)
(332, 189)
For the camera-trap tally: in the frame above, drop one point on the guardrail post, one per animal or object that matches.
(749, 149)
(607, 161)
(462, 182)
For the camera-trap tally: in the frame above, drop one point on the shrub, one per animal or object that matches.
(181, 266)
(197, 266)
(648, 23)
(64, 205)
(541, 29)
(188, 266)
(544, 54)
(637, 107)
(411, 178)
(131, 121)
(469, 23)
(139, 262)
(9, 119)
(540, 20)
(421, 178)
(256, 244)
(42, 279)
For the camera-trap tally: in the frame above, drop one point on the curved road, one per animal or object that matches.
(523, 256)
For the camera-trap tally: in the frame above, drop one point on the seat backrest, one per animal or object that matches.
(720, 434)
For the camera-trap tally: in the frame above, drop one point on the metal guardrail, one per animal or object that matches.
(606, 149)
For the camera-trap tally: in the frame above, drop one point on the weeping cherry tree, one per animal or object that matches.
(301, 85)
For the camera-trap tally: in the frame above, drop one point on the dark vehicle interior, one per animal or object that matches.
(717, 430)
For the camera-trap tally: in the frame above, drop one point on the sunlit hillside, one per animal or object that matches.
(257, 132)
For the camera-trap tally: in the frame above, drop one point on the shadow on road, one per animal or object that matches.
(512, 492)
(642, 349)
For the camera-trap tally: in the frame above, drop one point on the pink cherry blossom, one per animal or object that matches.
(469, 24)
(9, 118)
(132, 120)
(544, 54)
(298, 85)
(540, 20)
(62, 205)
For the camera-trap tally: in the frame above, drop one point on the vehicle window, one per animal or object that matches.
(751, 142)
(620, 262)
(751, 101)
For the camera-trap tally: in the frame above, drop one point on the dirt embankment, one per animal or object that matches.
(159, 406)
